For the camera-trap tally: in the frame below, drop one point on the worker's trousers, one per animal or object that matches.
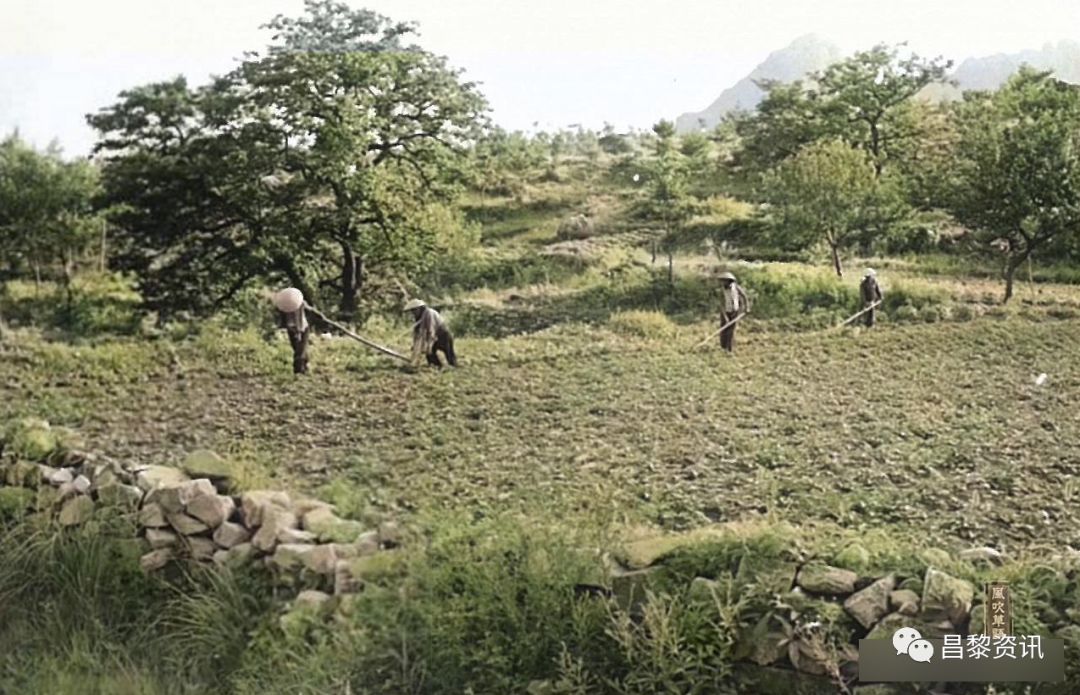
(727, 336)
(444, 341)
(299, 342)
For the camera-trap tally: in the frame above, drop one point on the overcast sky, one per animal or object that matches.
(555, 62)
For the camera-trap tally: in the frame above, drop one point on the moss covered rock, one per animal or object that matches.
(15, 502)
(30, 438)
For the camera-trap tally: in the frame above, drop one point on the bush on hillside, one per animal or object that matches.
(643, 324)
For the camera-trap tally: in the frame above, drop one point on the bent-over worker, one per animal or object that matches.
(430, 335)
(290, 306)
(735, 304)
(870, 292)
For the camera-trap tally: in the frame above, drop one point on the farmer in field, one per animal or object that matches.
(430, 335)
(871, 294)
(735, 305)
(290, 306)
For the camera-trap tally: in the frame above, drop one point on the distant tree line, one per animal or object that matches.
(335, 160)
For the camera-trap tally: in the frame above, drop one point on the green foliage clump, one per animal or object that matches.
(643, 324)
(29, 438)
(15, 502)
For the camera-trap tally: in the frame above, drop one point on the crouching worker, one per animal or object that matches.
(290, 306)
(736, 304)
(430, 335)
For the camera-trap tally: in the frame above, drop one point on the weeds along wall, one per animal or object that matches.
(116, 577)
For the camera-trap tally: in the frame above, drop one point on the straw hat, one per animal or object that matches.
(289, 300)
(414, 304)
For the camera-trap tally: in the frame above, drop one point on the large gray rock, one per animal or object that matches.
(319, 559)
(156, 559)
(255, 504)
(185, 524)
(81, 484)
(151, 477)
(61, 476)
(946, 598)
(312, 599)
(288, 557)
(119, 495)
(367, 543)
(274, 521)
(152, 516)
(984, 554)
(295, 535)
(235, 557)
(344, 582)
(201, 548)
(77, 511)
(166, 497)
(207, 464)
(824, 579)
(904, 602)
(229, 535)
(301, 507)
(872, 603)
(329, 527)
(65, 492)
(894, 621)
(195, 489)
(212, 509)
(161, 538)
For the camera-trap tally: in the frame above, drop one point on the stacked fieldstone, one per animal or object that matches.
(190, 513)
(808, 592)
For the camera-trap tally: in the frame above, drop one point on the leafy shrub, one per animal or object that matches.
(486, 607)
(905, 312)
(962, 312)
(644, 324)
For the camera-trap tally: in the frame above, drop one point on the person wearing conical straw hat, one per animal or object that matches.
(430, 335)
(290, 305)
(870, 291)
(735, 303)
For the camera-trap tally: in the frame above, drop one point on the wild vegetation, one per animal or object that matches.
(577, 270)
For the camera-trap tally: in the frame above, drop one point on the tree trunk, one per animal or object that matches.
(875, 148)
(836, 260)
(104, 247)
(352, 271)
(1010, 273)
(671, 267)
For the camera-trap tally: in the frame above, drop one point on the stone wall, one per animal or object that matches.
(821, 607)
(188, 514)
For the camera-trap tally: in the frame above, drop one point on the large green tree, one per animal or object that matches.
(313, 162)
(1018, 166)
(666, 199)
(865, 100)
(827, 194)
(47, 219)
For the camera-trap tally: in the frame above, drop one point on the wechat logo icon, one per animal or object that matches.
(908, 640)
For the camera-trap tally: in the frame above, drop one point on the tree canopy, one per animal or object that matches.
(46, 208)
(864, 100)
(828, 193)
(314, 163)
(1018, 165)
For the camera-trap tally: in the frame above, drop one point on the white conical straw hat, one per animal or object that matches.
(289, 300)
